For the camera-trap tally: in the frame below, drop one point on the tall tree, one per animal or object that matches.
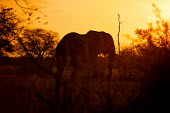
(8, 29)
(40, 42)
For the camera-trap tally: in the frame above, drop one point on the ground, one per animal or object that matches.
(17, 92)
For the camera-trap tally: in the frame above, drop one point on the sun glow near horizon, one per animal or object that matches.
(81, 16)
(64, 16)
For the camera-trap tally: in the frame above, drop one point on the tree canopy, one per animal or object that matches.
(39, 42)
(8, 29)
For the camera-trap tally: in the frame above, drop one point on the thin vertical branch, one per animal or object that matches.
(118, 33)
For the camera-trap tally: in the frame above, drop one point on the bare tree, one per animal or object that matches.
(118, 33)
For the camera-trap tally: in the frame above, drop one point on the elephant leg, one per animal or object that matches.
(76, 62)
(62, 72)
(66, 75)
(60, 68)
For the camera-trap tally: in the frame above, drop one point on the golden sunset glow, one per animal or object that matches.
(64, 16)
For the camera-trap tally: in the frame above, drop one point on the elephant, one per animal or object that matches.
(76, 49)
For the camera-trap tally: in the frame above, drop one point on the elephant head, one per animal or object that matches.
(101, 42)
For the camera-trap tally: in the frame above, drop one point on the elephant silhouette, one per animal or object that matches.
(80, 51)
(76, 49)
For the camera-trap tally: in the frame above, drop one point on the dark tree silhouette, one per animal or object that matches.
(152, 52)
(8, 29)
(40, 42)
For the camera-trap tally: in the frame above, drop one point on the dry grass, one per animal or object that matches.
(84, 94)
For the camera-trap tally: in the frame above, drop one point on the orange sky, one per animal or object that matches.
(66, 16)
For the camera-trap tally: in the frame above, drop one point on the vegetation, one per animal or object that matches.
(39, 42)
(149, 59)
(140, 80)
(8, 27)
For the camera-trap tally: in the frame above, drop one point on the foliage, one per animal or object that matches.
(152, 43)
(149, 56)
(31, 11)
(40, 42)
(8, 29)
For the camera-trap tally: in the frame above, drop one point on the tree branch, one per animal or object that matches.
(33, 59)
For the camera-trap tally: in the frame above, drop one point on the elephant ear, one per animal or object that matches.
(103, 42)
(95, 37)
(93, 41)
